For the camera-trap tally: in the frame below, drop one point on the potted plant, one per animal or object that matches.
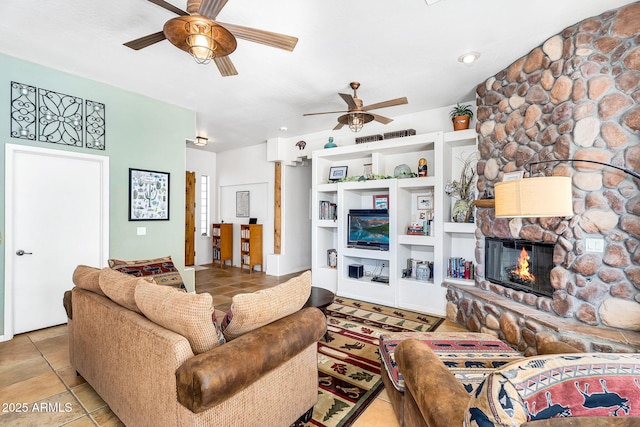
(461, 116)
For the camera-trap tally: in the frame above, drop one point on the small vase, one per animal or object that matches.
(461, 122)
(462, 210)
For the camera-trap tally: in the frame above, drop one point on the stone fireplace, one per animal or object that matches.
(577, 96)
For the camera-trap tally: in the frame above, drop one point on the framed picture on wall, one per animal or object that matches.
(242, 204)
(148, 195)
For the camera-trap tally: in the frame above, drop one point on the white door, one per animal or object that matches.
(57, 217)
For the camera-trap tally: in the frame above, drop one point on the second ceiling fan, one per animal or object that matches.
(196, 32)
(358, 114)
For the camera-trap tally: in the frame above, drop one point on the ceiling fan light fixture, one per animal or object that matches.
(201, 41)
(200, 141)
(356, 121)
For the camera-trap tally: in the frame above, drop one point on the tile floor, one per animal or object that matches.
(38, 386)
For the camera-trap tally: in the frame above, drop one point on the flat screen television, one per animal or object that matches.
(368, 229)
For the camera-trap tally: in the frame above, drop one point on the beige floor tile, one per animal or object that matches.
(33, 389)
(19, 349)
(378, 414)
(449, 326)
(58, 359)
(23, 370)
(384, 396)
(88, 397)
(69, 377)
(81, 422)
(44, 334)
(104, 417)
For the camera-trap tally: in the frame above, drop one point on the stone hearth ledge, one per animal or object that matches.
(571, 331)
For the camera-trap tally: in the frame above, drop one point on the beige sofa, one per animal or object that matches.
(149, 375)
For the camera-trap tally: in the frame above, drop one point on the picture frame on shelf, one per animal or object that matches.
(367, 170)
(424, 201)
(381, 201)
(337, 172)
(148, 195)
(513, 176)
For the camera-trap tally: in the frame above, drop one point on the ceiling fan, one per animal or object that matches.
(197, 33)
(357, 114)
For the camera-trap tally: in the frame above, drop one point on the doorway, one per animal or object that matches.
(56, 217)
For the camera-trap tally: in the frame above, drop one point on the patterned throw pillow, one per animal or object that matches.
(161, 270)
(553, 386)
(190, 315)
(251, 311)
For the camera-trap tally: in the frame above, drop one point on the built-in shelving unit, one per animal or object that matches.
(447, 239)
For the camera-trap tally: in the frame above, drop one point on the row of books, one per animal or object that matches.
(328, 210)
(244, 246)
(246, 259)
(460, 268)
(216, 254)
(245, 233)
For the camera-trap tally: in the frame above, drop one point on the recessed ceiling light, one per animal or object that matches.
(469, 57)
(284, 128)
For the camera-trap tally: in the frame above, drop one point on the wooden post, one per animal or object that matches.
(277, 206)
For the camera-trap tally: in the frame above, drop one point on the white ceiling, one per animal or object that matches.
(393, 47)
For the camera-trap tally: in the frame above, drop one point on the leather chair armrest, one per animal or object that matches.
(210, 378)
(440, 396)
(556, 347)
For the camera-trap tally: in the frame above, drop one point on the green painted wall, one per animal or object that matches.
(140, 132)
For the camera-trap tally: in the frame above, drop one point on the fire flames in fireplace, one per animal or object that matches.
(520, 273)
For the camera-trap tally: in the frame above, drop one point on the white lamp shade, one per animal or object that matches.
(548, 196)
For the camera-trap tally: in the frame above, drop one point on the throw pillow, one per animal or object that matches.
(86, 277)
(161, 270)
(190, 315)
(251, 311)
(120, 287)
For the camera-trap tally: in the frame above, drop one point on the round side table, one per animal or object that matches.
(320, 298)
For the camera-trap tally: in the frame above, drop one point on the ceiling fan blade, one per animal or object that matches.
(338, 126)
(225, 66)
(389, 103)
(145, 41)
(325, 112)
(349, 100)
(211, 8)
(382, 119)
(281, 41)
(169, 7)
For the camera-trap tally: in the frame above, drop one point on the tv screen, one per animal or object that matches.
(368, 228)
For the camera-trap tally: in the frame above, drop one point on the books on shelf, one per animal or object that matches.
(327, 210)
(460, 268)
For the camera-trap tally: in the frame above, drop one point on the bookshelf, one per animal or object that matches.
(222, 242)
(251, 246)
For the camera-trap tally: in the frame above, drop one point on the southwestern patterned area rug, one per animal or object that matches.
(349, 363)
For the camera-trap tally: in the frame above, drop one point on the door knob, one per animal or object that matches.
(20, 252)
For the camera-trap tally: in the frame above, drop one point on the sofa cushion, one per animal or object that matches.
(190, 315)
(566, 385)
(120, 287)
(253, 310)
(86, 278)
(161, 270)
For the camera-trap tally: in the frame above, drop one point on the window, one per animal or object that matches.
(204, 205)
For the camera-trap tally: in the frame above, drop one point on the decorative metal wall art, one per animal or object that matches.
(148, 195)
(95, 125)
(23, 111)
(49, 116)
(60, 118)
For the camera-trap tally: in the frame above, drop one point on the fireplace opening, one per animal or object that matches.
(519, 264)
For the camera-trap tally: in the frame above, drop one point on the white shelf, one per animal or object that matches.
(441, 150)
(410, 239)
(466, 282)
(460, 227)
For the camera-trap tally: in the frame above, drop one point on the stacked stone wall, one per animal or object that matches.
(575, 96)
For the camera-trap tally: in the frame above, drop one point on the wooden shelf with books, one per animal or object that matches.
(251, 246)
(222, 242)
